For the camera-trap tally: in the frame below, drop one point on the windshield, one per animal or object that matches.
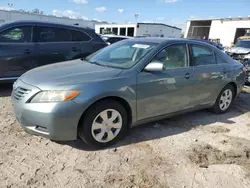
(243, 44)
(123, 54)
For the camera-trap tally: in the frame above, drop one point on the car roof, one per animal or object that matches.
(20, 22)
(164, 40)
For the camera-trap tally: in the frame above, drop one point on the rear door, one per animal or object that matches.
(208, 74)
(54, 44)
(16, 51)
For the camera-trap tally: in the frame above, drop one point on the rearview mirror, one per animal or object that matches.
(154, 67)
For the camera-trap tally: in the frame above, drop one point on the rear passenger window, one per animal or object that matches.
(202, 56)
(16, 35)
(52, 34)
(220, 60)
(80, 36)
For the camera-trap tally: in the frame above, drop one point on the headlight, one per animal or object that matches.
(54, 96)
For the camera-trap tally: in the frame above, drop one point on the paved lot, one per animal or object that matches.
(198, 149)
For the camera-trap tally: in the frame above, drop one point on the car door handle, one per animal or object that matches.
(187, 75)
(27, 51)
(74, 49)
(224, 70)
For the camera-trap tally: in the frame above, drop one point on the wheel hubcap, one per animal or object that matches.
(107, 125)
(226, 99)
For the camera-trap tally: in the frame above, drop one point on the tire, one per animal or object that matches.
(218, 106)
(98, 135)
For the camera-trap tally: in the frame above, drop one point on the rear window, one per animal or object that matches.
(243, 44)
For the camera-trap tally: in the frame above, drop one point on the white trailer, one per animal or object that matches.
(139, 29)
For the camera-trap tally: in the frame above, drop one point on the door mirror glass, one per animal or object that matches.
(154, 67)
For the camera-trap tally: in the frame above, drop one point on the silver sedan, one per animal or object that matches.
(128, 83)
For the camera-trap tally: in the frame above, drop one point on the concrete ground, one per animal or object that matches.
(198, 149)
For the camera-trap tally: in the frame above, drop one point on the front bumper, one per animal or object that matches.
(56, 121)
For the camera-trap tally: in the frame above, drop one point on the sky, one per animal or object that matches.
(172, 12)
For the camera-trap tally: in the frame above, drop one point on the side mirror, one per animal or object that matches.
(154, 67)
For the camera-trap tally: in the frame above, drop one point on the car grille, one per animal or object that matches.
(20, 92)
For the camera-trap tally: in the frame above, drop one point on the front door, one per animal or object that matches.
(208, 75)
(160, 93)
(16, 51)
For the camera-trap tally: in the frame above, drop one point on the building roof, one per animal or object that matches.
(161, 24)
(45, 15)
(226, 19)
(126, 24)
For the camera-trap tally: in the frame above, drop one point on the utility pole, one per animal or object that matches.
(10, 5)
(136, 17)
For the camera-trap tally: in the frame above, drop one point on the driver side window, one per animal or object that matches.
(174, 56)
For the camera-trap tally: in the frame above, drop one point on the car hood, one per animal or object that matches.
(240, 50)
(68, 73)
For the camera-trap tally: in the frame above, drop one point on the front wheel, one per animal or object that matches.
(103, 124)
(224, 100)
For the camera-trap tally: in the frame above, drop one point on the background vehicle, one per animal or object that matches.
(114, 38)
(28, 44)
(128, 83)
(246, 37)
(241, 52)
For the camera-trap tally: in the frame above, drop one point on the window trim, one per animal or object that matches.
(187, 64)
(192, 55)
(56, 27)
(16, 26)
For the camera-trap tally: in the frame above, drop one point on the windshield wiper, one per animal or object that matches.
(96, 63)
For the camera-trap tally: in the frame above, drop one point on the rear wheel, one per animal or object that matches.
(224, 100)
(103, 124)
